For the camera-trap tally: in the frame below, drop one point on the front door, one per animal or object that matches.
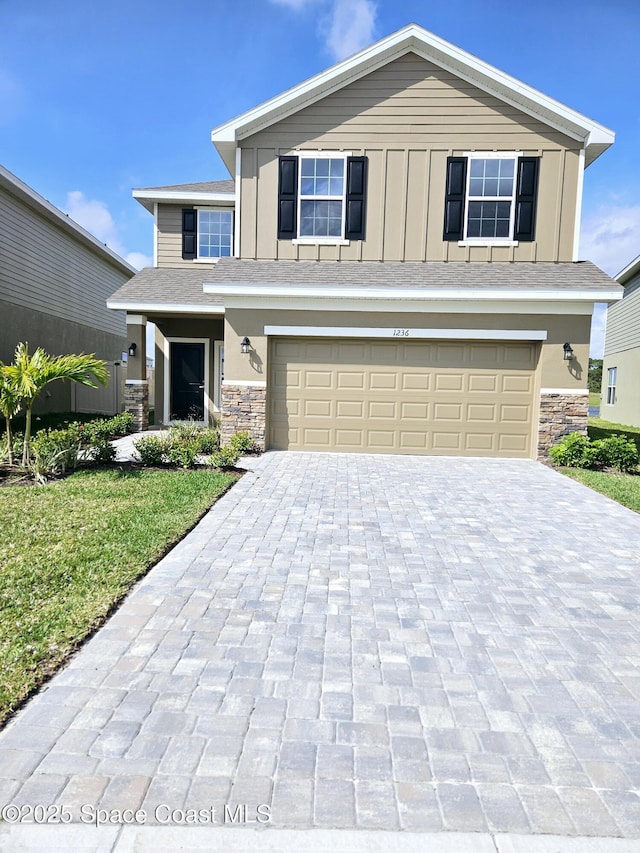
(187, 381)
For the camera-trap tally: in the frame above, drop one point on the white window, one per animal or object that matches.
(612, 378)
(321, 197)
(491, 188)
(215, 233)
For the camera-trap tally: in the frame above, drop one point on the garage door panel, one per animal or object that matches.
(350, 408)
(409, 411)
(415, 381)
(380, 409)
(352, 380)
(317, 379)
(317, 408)
(402, 397)
(449, 381)
(515, 384)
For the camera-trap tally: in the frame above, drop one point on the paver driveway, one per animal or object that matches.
(373, 642)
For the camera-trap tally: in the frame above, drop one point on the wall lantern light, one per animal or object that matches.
(245, 345)
(568, 351)
(132, 349)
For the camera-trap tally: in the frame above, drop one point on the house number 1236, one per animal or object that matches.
(401, 333)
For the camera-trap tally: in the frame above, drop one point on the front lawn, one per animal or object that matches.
(594, 398)
(599, 428)
(70, 550)
(623, 488)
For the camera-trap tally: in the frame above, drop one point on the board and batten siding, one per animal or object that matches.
(407, 118)
(623, 320)
(45, 269)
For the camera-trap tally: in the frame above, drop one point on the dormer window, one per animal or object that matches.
(207, 233)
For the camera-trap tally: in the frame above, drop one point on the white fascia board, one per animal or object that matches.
(629, 271)
(434, 49)
(174, 197)
(407, 334)
(268, 291)
(163, 307)
(40, 204)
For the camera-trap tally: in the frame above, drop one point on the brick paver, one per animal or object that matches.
(365, 642)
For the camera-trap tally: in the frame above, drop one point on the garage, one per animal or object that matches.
(457, 398)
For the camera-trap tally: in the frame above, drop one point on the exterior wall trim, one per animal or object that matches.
(407, 334)
(136, 381)
(577, 391)
(244, 383)
(136, 319)
(272, 289)
(162, 307)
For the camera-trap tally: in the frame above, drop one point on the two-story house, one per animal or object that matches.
(393, 268)
(54, 280)
(620, 401)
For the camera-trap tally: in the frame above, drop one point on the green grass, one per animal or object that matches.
(623, 488)
(70, 550)
(599, 428)
(594, 399)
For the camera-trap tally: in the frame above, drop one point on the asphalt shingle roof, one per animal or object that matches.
(202, 187)
(184, 286)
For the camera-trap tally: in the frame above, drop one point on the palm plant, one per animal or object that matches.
(31, 373)
(10, 403)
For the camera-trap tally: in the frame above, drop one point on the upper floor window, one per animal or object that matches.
(491, 198)
(215, 233)
(321, 197)
(612, 379)
(207, 233)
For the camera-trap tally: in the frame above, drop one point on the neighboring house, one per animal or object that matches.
(620, 401)
(54, 281)
(393, 269)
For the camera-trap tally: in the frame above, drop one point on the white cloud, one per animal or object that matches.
(610, 237)
(597, 330)
(96, 217)
(347, 26)
(351, 27)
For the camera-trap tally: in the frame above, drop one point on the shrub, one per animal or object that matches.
(183, 453)
(208, 440)
(101, 450)
(121, 424)
(152, 450)
(226, 457)
(617, 451)
(574, 451)
(56, 451)
(185, 430)
(242, 442)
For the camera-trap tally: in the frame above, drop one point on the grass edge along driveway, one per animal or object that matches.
(72, 549)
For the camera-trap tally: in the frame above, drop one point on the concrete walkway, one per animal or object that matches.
(358, 642)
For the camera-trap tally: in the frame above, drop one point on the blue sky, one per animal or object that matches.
(97, 98)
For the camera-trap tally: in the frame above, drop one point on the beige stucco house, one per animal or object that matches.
(55, 278)
(393, 268)
(620, 401)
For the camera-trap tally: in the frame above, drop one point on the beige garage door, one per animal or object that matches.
(425, 397)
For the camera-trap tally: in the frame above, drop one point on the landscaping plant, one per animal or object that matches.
(579, 451)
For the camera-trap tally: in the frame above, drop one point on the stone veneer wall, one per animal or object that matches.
(244, 407)
(560, 414)
(136, 401)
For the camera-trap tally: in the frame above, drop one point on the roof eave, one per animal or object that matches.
(631, 270)
(148, 198)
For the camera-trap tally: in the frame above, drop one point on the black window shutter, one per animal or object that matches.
(454, 198)
(526, 195)
(287, 198)
(189, 233)
(356, 198)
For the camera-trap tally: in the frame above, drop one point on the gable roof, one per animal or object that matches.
(17, 188)
(414, 39)
(222, 192)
